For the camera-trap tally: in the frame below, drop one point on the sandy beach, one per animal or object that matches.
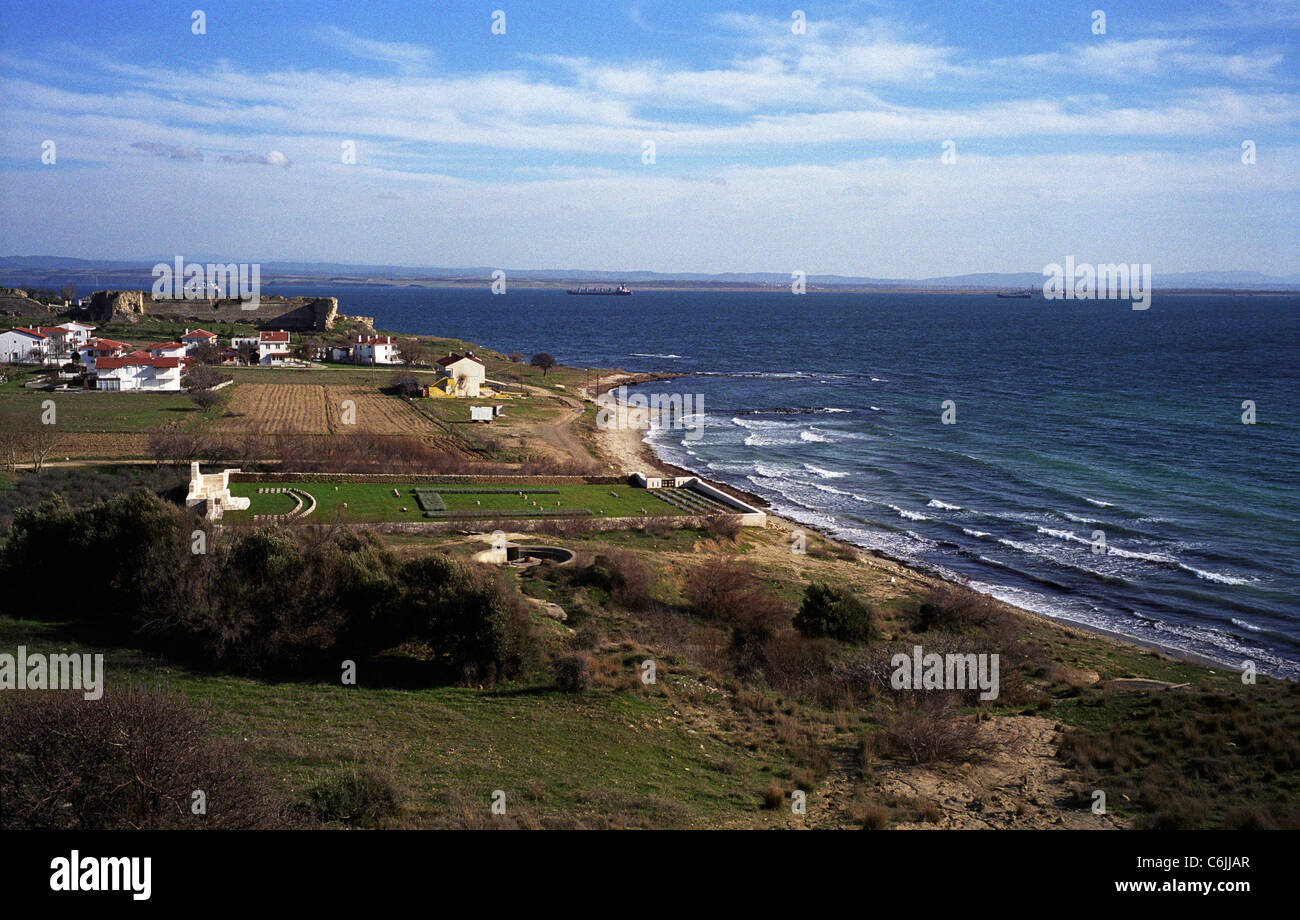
(625, 448)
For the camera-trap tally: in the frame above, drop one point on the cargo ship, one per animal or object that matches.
(621, 291)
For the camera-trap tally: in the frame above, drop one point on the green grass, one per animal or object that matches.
(560, 758)
(369, 502)
(94, 411)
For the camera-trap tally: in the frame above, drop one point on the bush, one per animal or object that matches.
(723, 526)
(930, 731)
(624, 575)
(268, 600)
(129, 761)
(834, 612)
(954, 609)
(357, 796)
(205, 399)
(721, 590)
(773, 795)
(573, 674)
(203, 377)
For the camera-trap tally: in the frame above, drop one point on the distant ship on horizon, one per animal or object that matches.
(621, 291)
(1016, 295)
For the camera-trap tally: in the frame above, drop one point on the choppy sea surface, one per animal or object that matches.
(1074, 420)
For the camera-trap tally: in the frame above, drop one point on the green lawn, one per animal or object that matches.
(368, 502)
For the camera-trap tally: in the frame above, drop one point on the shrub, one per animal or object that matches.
(773, 795)
(624, 575)
(573, 674)
(205, 399)
(267, 600)
(835, 612)
(358, 796)
(720, 590)
(871, 815)
(929, 731)
(203, 377)
(723, 526)
(129, 761)
(954, 609)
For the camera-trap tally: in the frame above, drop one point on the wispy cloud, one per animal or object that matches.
(408, 57)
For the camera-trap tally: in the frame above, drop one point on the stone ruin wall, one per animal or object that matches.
(293, 313)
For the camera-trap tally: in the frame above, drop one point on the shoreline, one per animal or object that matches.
(627, 447)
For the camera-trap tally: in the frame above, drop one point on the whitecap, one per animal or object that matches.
(1218, 577)
(825, 474)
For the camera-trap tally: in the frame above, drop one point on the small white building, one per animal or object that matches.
(23, 346)
(466, 370)
(139, 371)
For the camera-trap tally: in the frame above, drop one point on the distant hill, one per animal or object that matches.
(51, 271)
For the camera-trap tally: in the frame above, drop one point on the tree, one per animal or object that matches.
(544, 361)
(68, 292)
(130, 761)
(248, 352)
(207, 352)
(203, 377)
(306, 349)
(835, 612)
(205, 399)
(516, 357)
(415, 351)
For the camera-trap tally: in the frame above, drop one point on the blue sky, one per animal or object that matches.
(773, 151)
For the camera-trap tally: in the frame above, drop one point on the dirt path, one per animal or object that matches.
(556, 434)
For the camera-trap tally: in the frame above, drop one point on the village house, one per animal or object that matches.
(375, 349)
(96, 349)
(464, 372)
(23, 346)
(57, 345)
(272, 346)
(193, 340)
(78, 333)
(166, 350)
(139, 370)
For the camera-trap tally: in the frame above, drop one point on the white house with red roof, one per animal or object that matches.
(58, 346)
(166, 349)
(139, 370)
(374, 349)
(96, 349)
(78, 333)
(465, 372)
(24, 346)
(193, 340)
(272, 346)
